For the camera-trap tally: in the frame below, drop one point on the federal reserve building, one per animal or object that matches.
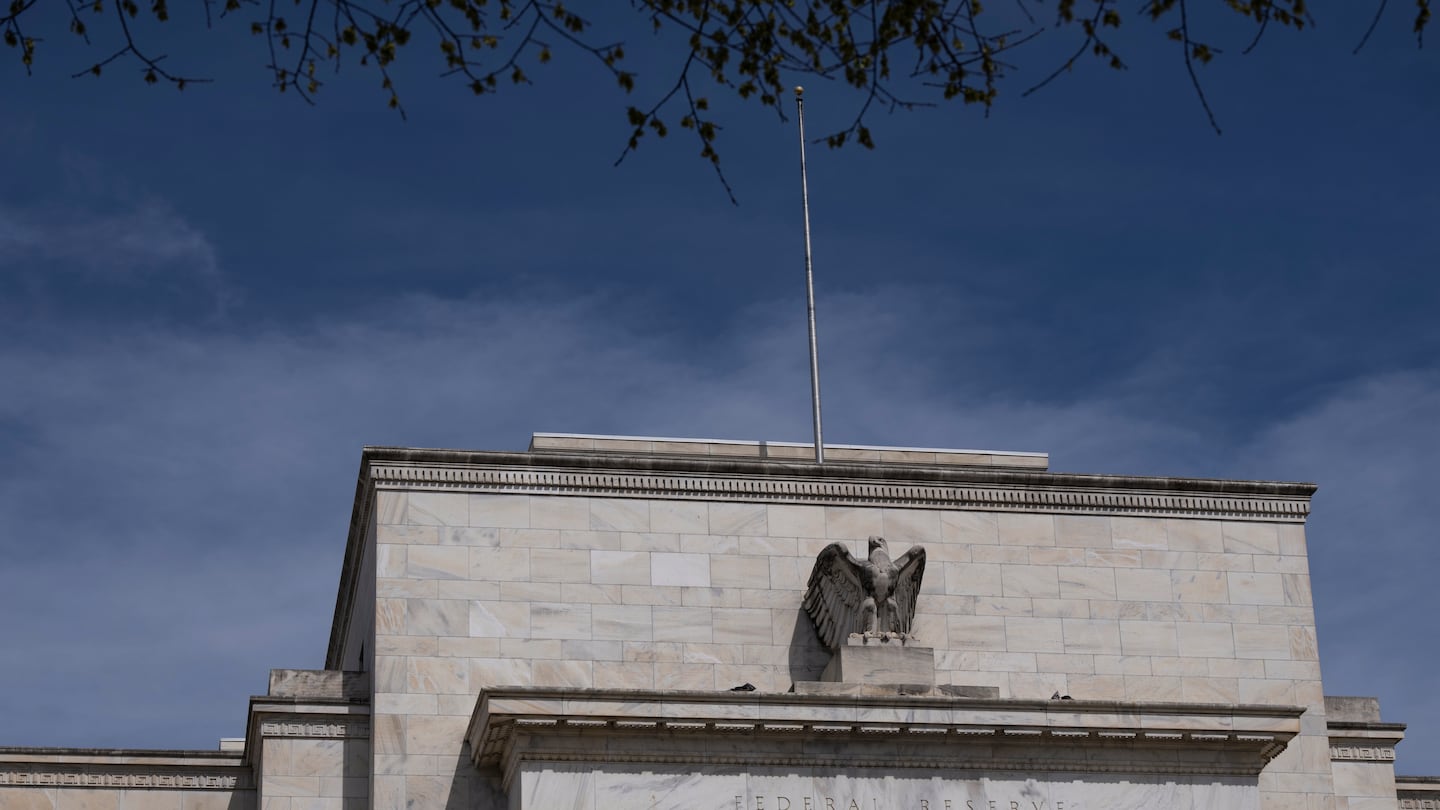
(620, 623)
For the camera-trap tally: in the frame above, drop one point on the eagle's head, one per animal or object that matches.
(878, 542)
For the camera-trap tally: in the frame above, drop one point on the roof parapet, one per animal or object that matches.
(785, 451)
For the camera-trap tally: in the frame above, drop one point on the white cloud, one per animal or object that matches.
(132, 243)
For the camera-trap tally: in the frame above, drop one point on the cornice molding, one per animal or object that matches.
(777, 469)
(157, 770)
(1418, 792)
(1060, 494)
(334, 718)
(513, 726)
(1354, 741)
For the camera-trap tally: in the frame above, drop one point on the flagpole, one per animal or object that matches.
(809, 281)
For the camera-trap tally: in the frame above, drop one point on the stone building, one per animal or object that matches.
(607, 622)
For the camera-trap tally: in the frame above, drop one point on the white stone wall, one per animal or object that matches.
(314, 774)
(1366, 785)
(475, 590)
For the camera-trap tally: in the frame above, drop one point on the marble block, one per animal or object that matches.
(891, 664)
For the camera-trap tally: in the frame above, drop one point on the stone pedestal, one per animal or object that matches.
(872, 661)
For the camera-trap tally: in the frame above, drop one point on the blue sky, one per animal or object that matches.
(210, 300)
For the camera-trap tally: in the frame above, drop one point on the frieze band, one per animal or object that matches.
(79, 778)
(1362, 753)
(356, 730)
(602, 484)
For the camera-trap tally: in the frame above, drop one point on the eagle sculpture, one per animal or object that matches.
(874, 597)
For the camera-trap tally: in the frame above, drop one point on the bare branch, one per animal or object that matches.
(151, 69)
(753, 49)
(1091, 42)
(1187, 47)
(77, 26)
(1260, 31)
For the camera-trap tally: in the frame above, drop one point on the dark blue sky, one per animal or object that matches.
(210, 300)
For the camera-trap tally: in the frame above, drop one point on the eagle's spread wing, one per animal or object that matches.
(910, 568)
(834, 595)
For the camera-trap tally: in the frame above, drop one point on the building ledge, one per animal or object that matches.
(377, 463)
(1417, 792)
(311, 718)
(124, 768)
(1363, 740)
(512, 726)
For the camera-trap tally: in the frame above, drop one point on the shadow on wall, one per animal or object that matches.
(808, 657)
(355, 770)
(467, 788)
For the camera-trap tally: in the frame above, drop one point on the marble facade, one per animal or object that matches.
(565, 627)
